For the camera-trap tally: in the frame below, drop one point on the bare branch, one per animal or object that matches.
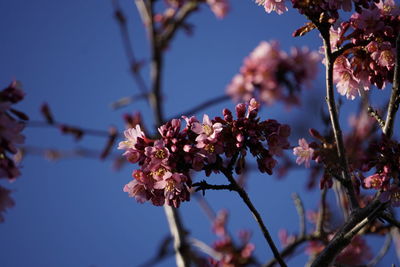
(300, 211)
(330, 99)
(243, 194)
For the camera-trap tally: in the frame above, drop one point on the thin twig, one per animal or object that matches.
(203, 186)
(300, 211)
(288, 250)
(202, 106)
(58, 125)
(330, 99)
(128, 46)
(382, 252)
(243, 194)
(178, 21)
(395, 96)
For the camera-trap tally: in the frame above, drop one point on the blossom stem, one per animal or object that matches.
(395, 96)
(146, 10)
(330, 99)
(243, 194)
(203, 105)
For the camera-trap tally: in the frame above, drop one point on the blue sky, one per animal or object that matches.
(69, 53)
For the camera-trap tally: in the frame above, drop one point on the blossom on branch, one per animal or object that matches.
(166, 163)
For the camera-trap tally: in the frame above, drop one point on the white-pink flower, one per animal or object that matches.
(303, 152)
(131, 136)
(207, 130)
(273, 5)
(219, 7)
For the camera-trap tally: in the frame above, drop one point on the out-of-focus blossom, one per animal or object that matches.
(219, 7)
(271, 75)
(273, 5)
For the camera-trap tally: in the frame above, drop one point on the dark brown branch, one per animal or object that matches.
(202, 106)
(395, 96)
(203, 186)
(330, 99)
(389, 218)
(300, 211)
(358, 220)
(243, 194)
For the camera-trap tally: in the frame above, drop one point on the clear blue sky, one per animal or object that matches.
(69, 53)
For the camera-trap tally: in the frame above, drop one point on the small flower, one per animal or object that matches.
(131, 136)
(303, 152)
(207, 130)
(219, 7)
(273, 5)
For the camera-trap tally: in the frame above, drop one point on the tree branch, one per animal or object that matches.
(242, 193)
(300, 211)
(395, 96)
(330, 99)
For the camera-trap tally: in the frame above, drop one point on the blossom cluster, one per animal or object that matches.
(372, 29)
(366, 152)
(230, 253)
(11, 126)
(371, 63)
(268, 71)
(12, 122)
(210, 145)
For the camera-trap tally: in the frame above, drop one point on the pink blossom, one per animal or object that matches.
(388, 8)
(219, 7)
(207, 131)
(137, 190)
(273, 5)
(303, 152)
(375, 181)
(131, 136)
(385, 58)
(346, 83)
(158, 155)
